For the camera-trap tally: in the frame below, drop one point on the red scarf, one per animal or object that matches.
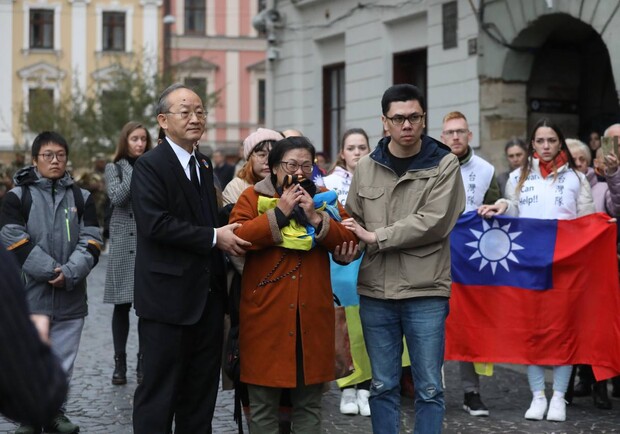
(547, 167)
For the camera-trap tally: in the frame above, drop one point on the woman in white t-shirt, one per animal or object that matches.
(547, 186)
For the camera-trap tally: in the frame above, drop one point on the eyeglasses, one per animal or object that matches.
(49, 156)
(413, 119)
(460, 132)
(201, 115)
(292, 166)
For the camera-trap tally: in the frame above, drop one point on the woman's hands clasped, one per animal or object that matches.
(296, 195)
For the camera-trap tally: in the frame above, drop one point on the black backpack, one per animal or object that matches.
(108, 207)
(26, 201)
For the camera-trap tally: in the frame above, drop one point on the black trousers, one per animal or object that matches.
(181, 373)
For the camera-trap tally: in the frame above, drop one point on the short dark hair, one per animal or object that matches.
(281, 147)
(401, 92)
(48, 137)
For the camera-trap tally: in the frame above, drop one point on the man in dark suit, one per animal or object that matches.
(179, 274)
(223, 171)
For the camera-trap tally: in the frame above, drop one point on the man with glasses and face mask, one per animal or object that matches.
(51, 226)
(481, 187)
(405, 198)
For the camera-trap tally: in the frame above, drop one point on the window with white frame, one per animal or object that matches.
(261, 109)
(41, 28)
(198, 85)
(195, 17)
(40, 98)
(113, 28)
(333, 108)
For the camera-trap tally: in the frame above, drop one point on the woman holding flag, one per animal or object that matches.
(547, 186)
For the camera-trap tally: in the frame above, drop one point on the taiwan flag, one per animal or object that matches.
(535, 292)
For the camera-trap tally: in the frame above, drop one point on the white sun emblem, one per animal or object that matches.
(495, 245)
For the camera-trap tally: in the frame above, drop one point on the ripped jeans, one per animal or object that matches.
(422, 321)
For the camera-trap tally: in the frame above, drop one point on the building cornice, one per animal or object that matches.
(191, 42)
(156, 3)
(42, 70)
(196, 64)
(257, 67)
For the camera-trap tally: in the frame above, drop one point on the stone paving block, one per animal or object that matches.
(99, 407)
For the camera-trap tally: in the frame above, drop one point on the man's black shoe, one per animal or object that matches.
(599, 395)
(62, 425)
(582, 388)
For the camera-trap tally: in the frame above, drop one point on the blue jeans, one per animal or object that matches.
(422, 321)
(561, 377)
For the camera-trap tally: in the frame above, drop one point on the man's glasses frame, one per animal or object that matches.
(49, 156)
(414, 119)
(201, 115)
(461, 132)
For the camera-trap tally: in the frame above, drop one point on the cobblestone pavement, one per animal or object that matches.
(99, 407)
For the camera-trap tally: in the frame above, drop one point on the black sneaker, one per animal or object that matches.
(474, 405)
(62, 425)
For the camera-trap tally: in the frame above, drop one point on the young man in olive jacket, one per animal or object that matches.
(405, 198)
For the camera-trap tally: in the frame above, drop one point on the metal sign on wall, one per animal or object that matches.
(553, 106)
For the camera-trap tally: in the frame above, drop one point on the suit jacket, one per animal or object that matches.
(175, 237)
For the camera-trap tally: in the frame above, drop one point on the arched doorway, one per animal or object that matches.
(570, 78)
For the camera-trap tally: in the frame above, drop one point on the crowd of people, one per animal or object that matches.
(242, 264)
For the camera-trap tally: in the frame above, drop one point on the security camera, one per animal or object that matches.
(265, 18)
(271, 37)
(259, 22)
(273, 15)
(273, 53)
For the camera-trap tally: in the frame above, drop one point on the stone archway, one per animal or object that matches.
(570, 79)
(561, 70)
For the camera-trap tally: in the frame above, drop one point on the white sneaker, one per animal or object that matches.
(348, 402)
(362, 402)
(537, 408)
(557, 410)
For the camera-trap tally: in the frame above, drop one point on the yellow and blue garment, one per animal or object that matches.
(295, 235)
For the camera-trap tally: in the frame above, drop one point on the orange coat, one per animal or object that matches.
(300, 283)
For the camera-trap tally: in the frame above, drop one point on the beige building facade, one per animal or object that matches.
(54, 45)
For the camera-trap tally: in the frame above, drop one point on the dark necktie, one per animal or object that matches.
(192, 173)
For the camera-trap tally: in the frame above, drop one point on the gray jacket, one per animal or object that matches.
(53, 236)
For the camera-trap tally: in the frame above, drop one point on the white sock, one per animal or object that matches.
(539, 394)
(557, 395)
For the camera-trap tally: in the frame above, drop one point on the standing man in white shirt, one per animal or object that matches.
(481, 187)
